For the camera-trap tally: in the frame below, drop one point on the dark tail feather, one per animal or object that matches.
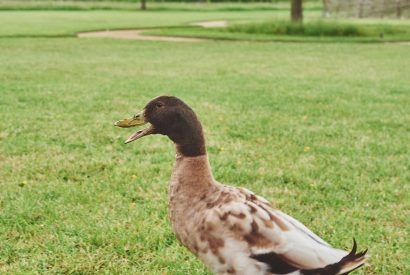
(347, 264)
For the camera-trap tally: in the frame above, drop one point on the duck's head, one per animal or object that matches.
(170, 116)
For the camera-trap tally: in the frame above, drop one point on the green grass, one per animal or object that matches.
(323, 28)
(152, 6)
(321, 130)
(67, 23)
(315, 28)
(312, 31)
(67, 5)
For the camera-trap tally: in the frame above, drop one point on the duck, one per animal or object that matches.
(231, 229)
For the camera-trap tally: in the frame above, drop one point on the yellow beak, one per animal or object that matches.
(136, 120)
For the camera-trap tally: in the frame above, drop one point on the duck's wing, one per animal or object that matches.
(278, 240)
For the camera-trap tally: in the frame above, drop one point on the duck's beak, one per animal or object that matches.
(136, 120)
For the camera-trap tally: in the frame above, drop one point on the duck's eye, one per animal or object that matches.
(159, 104)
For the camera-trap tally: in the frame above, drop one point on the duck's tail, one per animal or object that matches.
(347, 264)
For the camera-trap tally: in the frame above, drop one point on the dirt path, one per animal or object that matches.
(139, 34)
(211, 24)
(136, 35)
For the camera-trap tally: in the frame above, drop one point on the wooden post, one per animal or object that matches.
(296, 11)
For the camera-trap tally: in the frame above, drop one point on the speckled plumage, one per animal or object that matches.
(232, 230)
(228, 227)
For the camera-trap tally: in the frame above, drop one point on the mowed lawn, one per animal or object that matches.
(67, 23)
(321, 130)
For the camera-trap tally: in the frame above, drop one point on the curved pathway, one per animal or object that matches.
(139, 34)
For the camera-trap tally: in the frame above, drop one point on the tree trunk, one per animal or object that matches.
(296, 11)
(143, 5)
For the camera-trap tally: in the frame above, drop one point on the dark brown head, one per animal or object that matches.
(169, 116)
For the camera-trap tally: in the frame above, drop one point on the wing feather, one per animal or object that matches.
(269, 231)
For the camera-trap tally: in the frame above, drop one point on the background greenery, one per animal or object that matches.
(152, 5)
(68, 23)
(320, 129)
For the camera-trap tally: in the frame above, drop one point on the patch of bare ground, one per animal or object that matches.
(136, 35)
(139, 34)
(211, 24)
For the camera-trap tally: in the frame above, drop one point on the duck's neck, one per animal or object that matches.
(192, 172)
(190, 141)
(191, 182)
(191, 149)
(191, 175)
